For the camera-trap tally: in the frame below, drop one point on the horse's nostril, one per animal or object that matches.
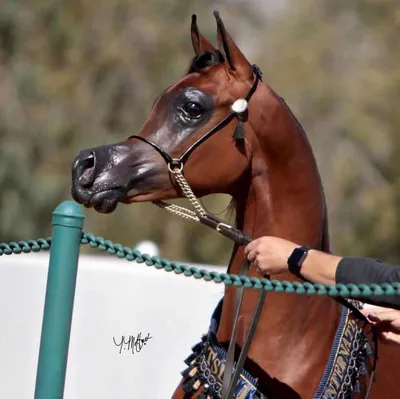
(84, 168)
(89, 161)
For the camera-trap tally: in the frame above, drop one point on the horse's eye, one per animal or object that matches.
(193, 110)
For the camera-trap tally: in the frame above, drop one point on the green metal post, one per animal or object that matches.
(68, 220)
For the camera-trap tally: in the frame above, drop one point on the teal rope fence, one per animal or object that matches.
(123, 252)
(64, 246)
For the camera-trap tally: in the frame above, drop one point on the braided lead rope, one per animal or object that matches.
(123, 252)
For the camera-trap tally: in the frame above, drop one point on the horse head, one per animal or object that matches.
(191, 126)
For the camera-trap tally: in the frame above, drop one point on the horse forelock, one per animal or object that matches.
(206, 59)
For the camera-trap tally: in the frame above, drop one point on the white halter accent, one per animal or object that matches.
(239, 106)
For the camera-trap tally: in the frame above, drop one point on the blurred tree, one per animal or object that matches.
(83, 73)
(336, 63)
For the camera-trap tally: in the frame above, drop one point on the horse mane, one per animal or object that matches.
(206, 59)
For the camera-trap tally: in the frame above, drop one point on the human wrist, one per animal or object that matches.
(320, 267)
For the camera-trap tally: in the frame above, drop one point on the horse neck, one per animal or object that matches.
(282, 195)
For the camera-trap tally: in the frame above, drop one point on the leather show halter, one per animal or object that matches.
(239, 107)
(175, 166)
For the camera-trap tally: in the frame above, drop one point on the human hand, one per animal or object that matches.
(386, 322)
(270, 254)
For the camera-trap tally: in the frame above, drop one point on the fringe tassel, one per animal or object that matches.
(362, 369)
(188, 361)
(239, 130)
(188, 385)
(185, 373)
(189, 372)
(197, 348)
(368, 348)
(193, 384)
(357, 388)
(206, 394)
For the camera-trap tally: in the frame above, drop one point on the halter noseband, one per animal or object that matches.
(238, 109)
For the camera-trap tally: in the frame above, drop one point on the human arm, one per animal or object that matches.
(270, 255)
(353, 270)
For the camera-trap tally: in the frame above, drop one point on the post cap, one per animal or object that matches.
(69, 214)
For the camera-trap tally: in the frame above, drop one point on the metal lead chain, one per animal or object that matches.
(184, 185)
(178, 210)
(176, 170)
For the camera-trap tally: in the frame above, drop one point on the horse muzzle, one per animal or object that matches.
(106, 175)
(91, 185)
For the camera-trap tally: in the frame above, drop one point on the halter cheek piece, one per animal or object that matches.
(239, 108)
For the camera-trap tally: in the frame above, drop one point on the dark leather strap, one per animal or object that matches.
(246, 344)
(230, 356)
(224, 121)
(225, 229)
(231, 378)
(164, 154)
(169, 160)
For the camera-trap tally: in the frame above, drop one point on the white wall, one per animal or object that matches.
(113, 298)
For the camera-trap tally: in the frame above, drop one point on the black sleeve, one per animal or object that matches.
(352, 270)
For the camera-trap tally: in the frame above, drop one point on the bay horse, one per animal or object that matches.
(221, 129)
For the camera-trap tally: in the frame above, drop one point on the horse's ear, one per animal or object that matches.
(235, 58)
(200, 43)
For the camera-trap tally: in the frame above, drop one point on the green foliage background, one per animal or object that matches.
(82, 73)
